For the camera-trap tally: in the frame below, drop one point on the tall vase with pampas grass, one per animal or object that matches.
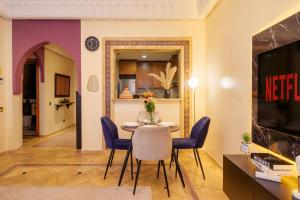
(166, 78)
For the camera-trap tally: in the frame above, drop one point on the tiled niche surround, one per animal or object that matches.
(282, 33)
(112, 44)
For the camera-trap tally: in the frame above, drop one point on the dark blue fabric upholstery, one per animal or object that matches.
(184, 143)
(111, 135)
(197, 137)
(121, 143)
(111, 126)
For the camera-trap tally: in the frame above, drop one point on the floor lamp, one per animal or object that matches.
(193, 84)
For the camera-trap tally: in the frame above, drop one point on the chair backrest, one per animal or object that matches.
(200, 130)
(152, 143)
(110, 131)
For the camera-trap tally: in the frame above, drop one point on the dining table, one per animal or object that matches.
(131, 130)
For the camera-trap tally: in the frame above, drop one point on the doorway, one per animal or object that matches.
(30, 99)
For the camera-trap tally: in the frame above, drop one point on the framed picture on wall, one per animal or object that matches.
(62, 85)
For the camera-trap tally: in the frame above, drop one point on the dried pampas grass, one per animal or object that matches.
(166, 79)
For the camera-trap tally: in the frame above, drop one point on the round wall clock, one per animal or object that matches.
(92, 43)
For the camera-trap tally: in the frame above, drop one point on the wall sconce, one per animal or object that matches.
(226, 83)
(93, 85)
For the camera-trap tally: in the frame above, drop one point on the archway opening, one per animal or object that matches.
(53, 111)
(30, 98)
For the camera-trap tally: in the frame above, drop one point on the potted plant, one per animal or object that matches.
(246, 141)
(166, 78)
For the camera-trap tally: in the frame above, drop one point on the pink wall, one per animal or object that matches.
(29, 36)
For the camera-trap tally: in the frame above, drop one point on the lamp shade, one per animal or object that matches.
(193, 83)
(93, 85)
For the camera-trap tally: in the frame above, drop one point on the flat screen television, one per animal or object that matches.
(278, 105)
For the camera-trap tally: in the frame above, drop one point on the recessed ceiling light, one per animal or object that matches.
(144, 56)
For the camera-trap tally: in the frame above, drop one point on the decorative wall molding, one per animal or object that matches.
(106, 9)
(111, 44)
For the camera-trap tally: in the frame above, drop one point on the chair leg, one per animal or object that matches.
(195, 157)
(131, 165)
(124, 165)
(108, 163)
(137, 175)
(158, 168)
(166, 179)
(171, 158)
(179, 170)
(177, 154)
(200, 164)
(112, 158)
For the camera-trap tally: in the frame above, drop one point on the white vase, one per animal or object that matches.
(245, 148)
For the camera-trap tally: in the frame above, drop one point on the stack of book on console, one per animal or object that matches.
(271, 167)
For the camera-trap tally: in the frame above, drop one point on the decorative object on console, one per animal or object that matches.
(272, 162)
(271, 168)
(266, 176)
(246, 140)
(296, 193)
(125, 94)
(166, 78)
(93, 85)
(92, 43)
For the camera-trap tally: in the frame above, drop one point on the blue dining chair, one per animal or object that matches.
(112, 140)
(196, 141)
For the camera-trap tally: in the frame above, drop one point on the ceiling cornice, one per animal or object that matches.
(107, 9)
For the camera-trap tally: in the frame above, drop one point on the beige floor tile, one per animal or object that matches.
(43, 166)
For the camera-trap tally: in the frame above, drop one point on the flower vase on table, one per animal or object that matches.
(149, 106)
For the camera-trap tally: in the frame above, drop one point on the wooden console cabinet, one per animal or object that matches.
(239, 182)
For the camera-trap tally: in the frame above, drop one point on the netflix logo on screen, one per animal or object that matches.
(278, 94)
(282, 87)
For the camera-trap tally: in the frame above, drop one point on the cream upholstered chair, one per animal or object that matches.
(152, 143)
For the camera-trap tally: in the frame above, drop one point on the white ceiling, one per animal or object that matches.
(151, 55)
(106, 9)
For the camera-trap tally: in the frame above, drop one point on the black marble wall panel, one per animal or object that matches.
(284, 32)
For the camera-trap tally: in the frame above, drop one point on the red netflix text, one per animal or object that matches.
(279, 87)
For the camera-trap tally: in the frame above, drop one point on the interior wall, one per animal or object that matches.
(92, 63)
(30, 35)
(55, 120)
(9, 102)
(3, 86)
(229, 29)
